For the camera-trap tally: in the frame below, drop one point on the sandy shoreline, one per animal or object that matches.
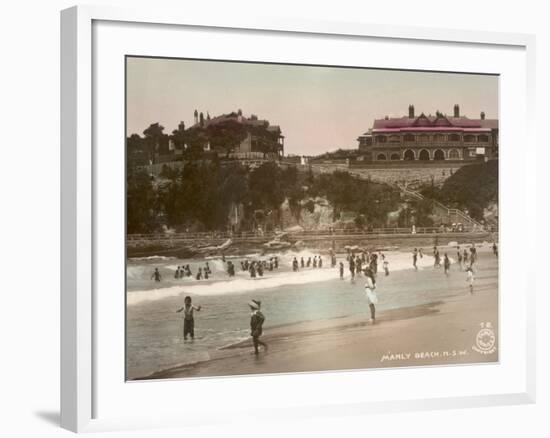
(439, 333)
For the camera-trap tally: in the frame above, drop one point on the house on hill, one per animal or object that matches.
(430, 138)
(238, 137)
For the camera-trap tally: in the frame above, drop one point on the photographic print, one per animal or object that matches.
(285, 218)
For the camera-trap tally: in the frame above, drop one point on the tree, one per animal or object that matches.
(141, 205)
(266, 190)
(178, 136)
(154, 138)
(226, 135)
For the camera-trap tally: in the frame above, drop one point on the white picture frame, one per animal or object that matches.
(80, 369)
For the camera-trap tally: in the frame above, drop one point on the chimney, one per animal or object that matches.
(456, 110)
(482, 115)
(411, 111)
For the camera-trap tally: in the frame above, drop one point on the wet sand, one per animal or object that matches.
(440, 333)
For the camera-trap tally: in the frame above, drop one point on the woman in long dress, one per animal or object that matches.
(370, 292)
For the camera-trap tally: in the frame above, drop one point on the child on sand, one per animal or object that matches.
(257, 320)
(188, 319)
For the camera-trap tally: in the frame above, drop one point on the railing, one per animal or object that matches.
(332, 233)
(449, 211)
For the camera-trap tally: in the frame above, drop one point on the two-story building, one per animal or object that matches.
(430, 138)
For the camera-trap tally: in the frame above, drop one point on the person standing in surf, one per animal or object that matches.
(341, 270)
(386, 268)
(473, 254)
(252, 270)
(352, 268)
(188, 318)
(437, 258)
(415, 258)
(156, 275)
(257, 320)
(446, 264)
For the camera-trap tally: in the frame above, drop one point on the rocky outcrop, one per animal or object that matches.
(313, 214)
(490, 214)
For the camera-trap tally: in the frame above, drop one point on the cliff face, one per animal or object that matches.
(314, 214)
(490, 214)
(317, 214)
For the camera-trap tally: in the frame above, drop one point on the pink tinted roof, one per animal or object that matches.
(430, 129)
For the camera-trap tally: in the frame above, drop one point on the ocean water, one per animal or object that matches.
(154, 329)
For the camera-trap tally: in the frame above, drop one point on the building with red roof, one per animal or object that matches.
(430, 138)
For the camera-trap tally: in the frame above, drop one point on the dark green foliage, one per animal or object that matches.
(155, 140)
(142, 206)
(225, 136)
(199, 197)
(470, 188)
(349, 193)
(417, 212)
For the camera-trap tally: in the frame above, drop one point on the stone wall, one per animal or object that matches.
(411, 176)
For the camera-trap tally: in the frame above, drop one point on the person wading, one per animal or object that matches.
(257, 320)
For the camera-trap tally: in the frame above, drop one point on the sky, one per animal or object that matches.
(318, 108)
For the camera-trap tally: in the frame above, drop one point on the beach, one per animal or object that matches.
(423, 318)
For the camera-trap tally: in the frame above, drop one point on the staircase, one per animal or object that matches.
(452, 215)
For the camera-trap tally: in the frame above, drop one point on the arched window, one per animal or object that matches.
(409, 155)
(424, 155)
(408, 137)
(381, 157)
(469, 138)
(439, 155)
(454, 155)
(381, 139)
(454, 137)
(395, 157)
(483, 138)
